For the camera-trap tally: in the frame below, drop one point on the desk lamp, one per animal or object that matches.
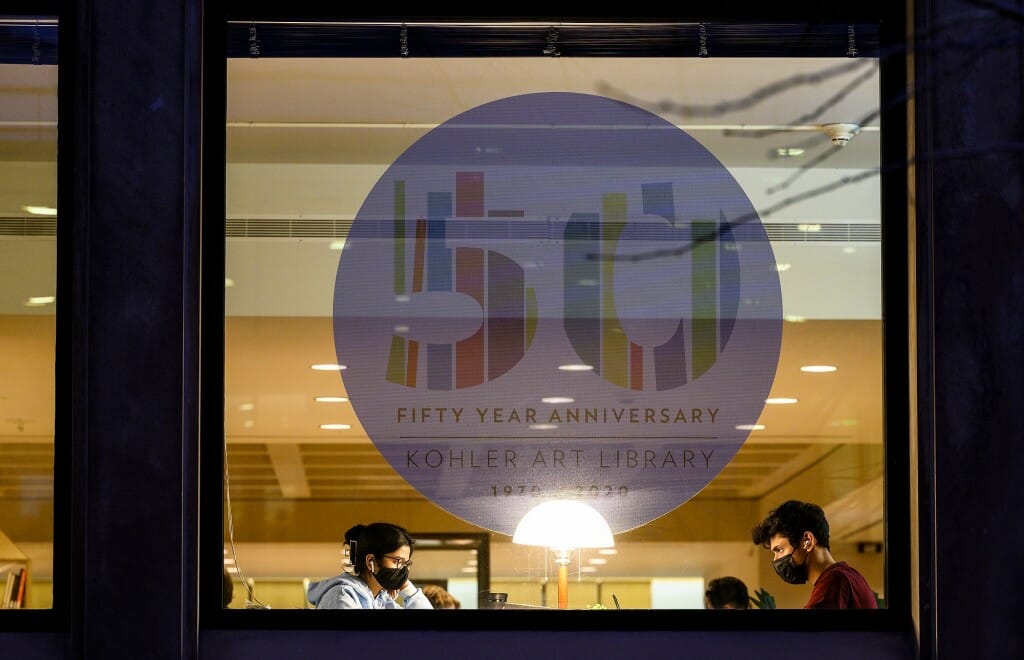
(563, 525)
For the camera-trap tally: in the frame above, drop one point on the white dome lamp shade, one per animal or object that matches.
(563, 525)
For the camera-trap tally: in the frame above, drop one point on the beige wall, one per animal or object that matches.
(280, 594)
(298, 521)
(40, 593)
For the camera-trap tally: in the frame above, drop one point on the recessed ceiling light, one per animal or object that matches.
(588, 569)
(543, 427)
(809, 227)
(39, 301)
(468, 569)
(789, 151)
(39, 210)
(338, 244)
(750, 427)
(328, 367)
(401, 329)
(782, 268)
(597, 561)
(246, 407)
(849, 250)
(793, 318)
(403, 298)
(818, 368)
(575, 367)
(558, 399)
(335, 427)
(608, 551)
(331, 399)
(780, 400)
(228, 283)
(248, 423)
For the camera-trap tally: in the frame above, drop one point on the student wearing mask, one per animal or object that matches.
(796, 533)
(380, 555)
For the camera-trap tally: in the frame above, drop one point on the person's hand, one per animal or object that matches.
(763, 600)
(394, 593)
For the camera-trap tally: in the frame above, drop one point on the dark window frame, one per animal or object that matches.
(219, 43)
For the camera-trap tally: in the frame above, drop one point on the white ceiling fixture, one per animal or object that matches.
(39, 210)
(841, 133)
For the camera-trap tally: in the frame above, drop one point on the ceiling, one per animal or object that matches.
(307, 138)
(276, 448)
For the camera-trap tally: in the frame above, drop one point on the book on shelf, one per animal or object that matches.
(19, 600)
(14, 583)
(14, 573)
(8, 586)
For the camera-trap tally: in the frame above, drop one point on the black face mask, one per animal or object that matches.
(789, 571)
(391, 578)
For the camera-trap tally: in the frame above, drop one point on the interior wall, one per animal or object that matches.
(302, 520)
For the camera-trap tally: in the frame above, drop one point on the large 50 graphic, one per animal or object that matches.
(591, 323)
(561, 248)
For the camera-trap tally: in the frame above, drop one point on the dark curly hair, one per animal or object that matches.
(792, 519)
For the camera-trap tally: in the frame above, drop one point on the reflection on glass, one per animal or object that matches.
(301, 167)
(28, 267)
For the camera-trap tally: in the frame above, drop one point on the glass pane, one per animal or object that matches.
(460, 287)
(28, 268)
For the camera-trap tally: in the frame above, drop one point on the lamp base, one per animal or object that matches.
(562, 562)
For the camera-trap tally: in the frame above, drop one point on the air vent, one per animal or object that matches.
(832, 232)
(34, 226)
(287, 228)
(785, 232)
(492, 228)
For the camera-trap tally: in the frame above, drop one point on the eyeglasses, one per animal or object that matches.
(400, 562)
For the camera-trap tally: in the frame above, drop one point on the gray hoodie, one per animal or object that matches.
(348, 592)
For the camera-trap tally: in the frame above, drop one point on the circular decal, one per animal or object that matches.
(557, 295)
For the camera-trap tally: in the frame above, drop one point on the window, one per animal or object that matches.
(471, 268)
(28, 272)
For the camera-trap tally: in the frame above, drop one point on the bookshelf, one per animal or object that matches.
(14, 575)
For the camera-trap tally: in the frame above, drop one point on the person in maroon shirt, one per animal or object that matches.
(796, 533)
